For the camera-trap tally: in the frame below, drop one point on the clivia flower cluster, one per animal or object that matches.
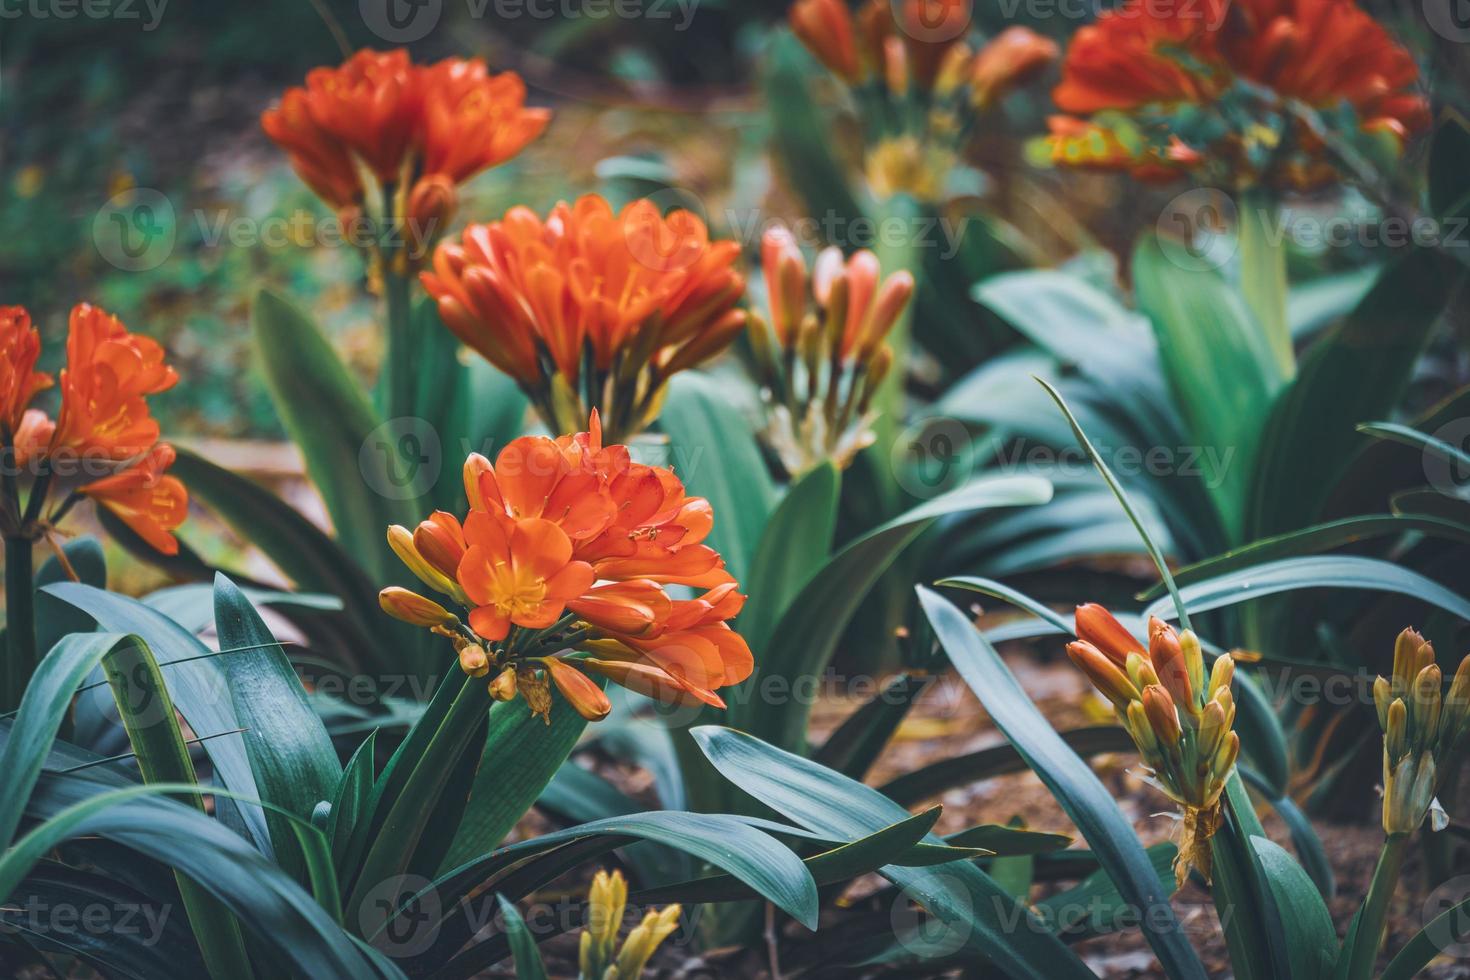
(561, 565)
(104, 422)
(591, 308)
(1423, 729)
(413, 132)
(1180, 719)
(821, 367)
(1216, 89)
(919, 86)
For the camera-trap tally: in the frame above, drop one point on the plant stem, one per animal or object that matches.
(20, 622)
(1367, 929)
(1263, 274)
(398, 369)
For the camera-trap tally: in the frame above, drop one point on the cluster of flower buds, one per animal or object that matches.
(823, 353)
(104, 434)
(599, 957)
(919, 85)
(1180, 718)
(412, 132)
(1214, 91)
(567, 548)
(591, 309)
(1423, 727)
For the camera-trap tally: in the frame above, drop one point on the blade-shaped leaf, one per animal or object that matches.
(979, 916)
(1080, 793)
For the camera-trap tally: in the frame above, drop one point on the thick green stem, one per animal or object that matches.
(20, 622)
(398, 369)
(1263, 274)
(1367, 930)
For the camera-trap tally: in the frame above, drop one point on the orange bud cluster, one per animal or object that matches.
(1136, 65)
(104, 420)
(591, 308)
(822, 353)
(417, 130)
(1180, 719)
(567, 548)
(1424, 728)
(909, 62)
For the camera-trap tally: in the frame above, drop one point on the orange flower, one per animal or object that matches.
(109, 371)
(372, 106)
(473, 120)
(518, 572)
(146, 500)
(1130, 58)
(420, 130)
(825, 27)
(1160, 63)
(536, 297)
(570, 543)
(317, 157)
(1324, 52)
(1014, 55)
(20, 345)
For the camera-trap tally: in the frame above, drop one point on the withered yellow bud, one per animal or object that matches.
(503, 688)
(416, 609)
(473, 660)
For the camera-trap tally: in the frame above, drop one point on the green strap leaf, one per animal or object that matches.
(355, 464)
(1310, 934)
(1080, 793)
(981, 919)
(529, 965)
(291, 754)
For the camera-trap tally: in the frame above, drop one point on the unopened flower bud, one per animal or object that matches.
(1221, 674)
(400, 539)
(1396, 732)
(1167, 656)
(1140, 671)
(1163, 718)
(1105, 675)
(1098, 626)
(581, 692)
(1194, 662)
(416, 609)
(1382, 698)
(1425, 706)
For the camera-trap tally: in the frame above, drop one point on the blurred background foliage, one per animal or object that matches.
(95, 107)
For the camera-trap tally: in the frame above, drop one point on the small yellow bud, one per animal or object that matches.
(1141, 672)
(1425, 706)
(1194, 661)
(1396, 733)
(400, 539)
(1382, 698)
(1222, 674)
